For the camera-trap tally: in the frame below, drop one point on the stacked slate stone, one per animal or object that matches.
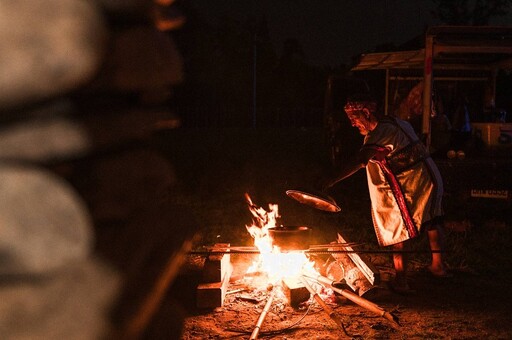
(86, 208)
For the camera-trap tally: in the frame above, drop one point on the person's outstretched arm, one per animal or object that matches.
(351, 167)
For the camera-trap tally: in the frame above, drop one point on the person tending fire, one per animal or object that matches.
(404, 183)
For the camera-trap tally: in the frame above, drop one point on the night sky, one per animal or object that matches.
(332, 31)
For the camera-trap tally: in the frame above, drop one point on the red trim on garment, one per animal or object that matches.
(399, 197)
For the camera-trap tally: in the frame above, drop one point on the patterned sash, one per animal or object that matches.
(399, 197)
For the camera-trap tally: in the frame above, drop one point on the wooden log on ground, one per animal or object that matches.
(369, 271)
(211, 295)
(345, 271)
(216, 265)
(356, 272)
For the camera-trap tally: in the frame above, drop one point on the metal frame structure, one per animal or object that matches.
(467, 49)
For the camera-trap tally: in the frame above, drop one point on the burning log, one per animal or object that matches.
(372, 307)
(263, 314)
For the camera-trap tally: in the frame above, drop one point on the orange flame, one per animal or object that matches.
(271, 261)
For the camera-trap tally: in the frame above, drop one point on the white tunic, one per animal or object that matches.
(419, 185)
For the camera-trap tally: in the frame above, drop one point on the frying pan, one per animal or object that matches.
(315, 199)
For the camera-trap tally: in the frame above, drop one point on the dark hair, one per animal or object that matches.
(361, 98)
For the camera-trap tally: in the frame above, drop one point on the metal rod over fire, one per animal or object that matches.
(253, 250)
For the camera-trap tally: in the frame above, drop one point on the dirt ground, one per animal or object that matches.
(467, 306)
(475, 304)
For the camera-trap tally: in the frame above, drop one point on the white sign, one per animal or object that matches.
(503, 194)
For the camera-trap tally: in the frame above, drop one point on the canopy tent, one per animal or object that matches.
(477, 52)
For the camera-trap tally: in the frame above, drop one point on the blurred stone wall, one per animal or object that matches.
(75, 156)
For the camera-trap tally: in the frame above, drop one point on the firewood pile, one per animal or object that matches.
(335, 281)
